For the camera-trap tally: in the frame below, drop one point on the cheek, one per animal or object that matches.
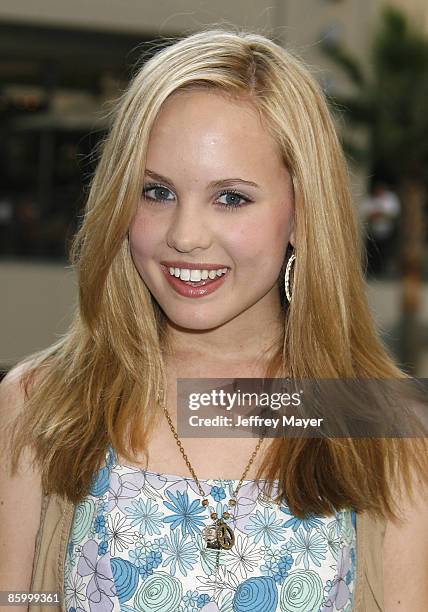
(244, 239)
(262, 242)
(280, 230)
(142, 238)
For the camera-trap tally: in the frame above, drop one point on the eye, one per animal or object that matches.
(234, 197)
(159, 191)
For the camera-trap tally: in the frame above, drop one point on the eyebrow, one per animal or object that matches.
(219, 183)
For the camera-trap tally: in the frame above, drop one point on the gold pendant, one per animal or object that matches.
(219, 535)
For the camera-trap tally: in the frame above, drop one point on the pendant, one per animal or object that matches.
(219, 535)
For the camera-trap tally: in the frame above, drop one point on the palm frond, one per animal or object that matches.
(344, 60)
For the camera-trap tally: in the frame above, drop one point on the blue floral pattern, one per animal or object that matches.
(136, 545)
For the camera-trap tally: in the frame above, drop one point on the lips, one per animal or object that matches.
(194, 289)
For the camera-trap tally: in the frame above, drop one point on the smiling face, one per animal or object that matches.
(201, 145)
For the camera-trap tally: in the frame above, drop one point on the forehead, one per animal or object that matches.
(206, 126)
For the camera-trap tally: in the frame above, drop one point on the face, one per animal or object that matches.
(217, 202)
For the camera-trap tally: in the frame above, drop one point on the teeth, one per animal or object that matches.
(196, 275)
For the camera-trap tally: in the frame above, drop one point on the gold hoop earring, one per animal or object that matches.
(287, 276)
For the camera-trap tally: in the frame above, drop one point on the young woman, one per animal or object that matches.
(219, 241)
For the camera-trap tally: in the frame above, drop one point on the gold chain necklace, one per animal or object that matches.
(219, 535)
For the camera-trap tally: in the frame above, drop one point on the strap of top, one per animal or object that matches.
(56, 517)
(110, 457)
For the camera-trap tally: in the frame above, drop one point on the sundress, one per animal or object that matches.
(136, 544)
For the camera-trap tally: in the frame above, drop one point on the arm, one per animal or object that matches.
(406, 557)
(20, 500)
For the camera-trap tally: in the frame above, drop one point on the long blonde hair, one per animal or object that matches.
(99, 382)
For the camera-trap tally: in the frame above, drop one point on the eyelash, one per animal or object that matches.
(230, 207)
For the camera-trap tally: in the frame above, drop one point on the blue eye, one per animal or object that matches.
(155, 188)
(232, 194)
(236, 195)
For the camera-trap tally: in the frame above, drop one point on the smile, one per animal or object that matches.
(186, 274)
(194, 282)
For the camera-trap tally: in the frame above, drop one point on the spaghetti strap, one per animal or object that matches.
(110, 457)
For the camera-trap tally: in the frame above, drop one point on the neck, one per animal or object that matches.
(223, 346)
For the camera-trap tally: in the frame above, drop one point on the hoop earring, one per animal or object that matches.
(287, 276)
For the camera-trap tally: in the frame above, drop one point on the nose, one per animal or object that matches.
(189, 229)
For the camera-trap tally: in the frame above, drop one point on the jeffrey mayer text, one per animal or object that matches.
(291, 421)
(252, 421)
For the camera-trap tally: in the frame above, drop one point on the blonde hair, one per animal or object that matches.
(99, 382)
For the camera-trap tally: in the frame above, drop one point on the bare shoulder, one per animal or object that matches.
(12, 397)
(405, 555)
(20, 493)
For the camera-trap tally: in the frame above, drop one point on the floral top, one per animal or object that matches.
(136, 544)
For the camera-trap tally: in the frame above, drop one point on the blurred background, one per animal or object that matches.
(62, 63)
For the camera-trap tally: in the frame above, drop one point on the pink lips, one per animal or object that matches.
(186, 289)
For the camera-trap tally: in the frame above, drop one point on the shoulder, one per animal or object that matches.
(12, 393)
(13, 390)
(405, 553)
(10, 386)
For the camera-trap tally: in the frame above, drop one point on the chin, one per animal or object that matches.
(192, 321)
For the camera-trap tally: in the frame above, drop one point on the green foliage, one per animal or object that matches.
(390, 100)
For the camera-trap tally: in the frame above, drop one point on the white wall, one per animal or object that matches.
(36, 304)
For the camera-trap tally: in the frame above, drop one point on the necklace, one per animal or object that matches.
(219, 535)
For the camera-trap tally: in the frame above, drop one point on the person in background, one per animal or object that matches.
(6, 216)
(380, 211)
